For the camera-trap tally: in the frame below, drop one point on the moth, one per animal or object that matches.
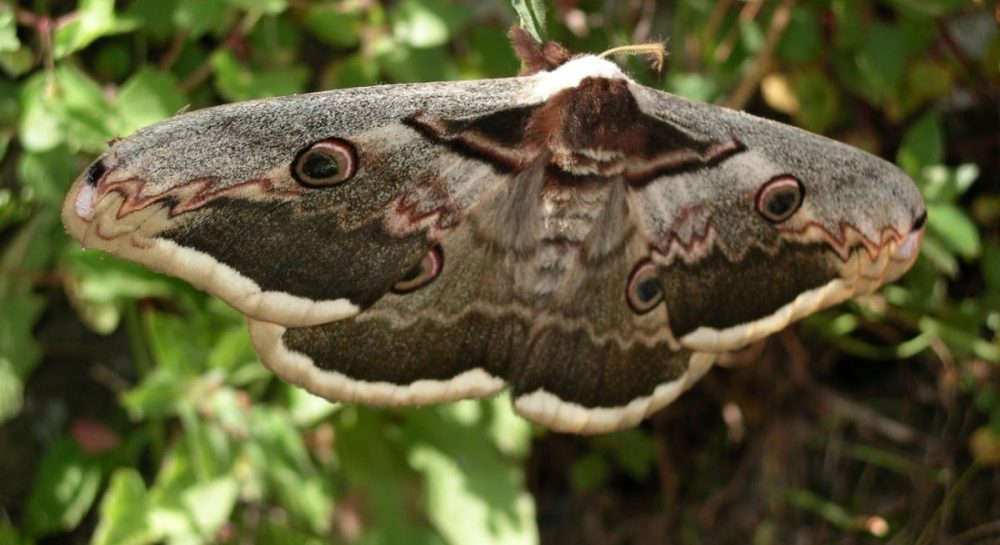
(586, 241)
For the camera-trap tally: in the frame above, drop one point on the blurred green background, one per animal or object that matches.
(133, 411)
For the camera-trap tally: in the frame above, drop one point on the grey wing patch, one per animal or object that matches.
(212, 196)
(646, 381)
(508, 308)
(371, 362)
(732, 271)
(590, 364)
(453, 338)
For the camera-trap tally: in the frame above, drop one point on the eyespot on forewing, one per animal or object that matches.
(779, 198)
(325, 163)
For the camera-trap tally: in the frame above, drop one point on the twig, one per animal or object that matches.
(645, 22)
(739, 98)
(982, 83)
(747, 14)
(666, 469)
(715, 18)
(934, 524)
(983, 531)
(175, 50)
(825, 400)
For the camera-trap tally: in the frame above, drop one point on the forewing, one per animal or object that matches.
(210, 197)
(730, 274)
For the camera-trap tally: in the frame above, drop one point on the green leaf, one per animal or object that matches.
(270, 7)
(427, 23)
(281, 457)
(941, 257)
(693, 85)
(479, 503)
(103, 285)
(307, 409)
(145, 98)
(926, 80)
(588, 472)
(954, 227)
(801, 40)
(8, 30)
(990, 264)
(159, 394)
(356, 70)
(850, 28)
(277, 531)
(366, 444)
(113, 61)
(922, 144)
(65, 488)
(154, 18)
(9, 535)
(403, 64)
(236, 82)
(94, 19)
(881, 61)
(17, 63)
(933, 8)
(818, 100)
(68, 107)
(490, 53)
(48, 173)
(532, 15)
(125, 512)
(27, 253)
(199, 17)
(210, 504)
(474, 494)
(11, 383)
(335, 25)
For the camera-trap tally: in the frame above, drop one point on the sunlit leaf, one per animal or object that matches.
(66, 486)
(334, 24)
(200, 17)
(427, 23)
(237, 82)
(955, 229)
(881, 60)
(125, 517)
(264, 6)
(93, 19)
(146, 97)
(801, 39)
(532, 15)
(8, 30)
(922, 144)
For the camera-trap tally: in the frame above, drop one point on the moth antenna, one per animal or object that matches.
(656, 52)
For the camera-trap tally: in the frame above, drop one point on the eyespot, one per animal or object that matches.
(780, 197)
(327, 162)
(96, 172)
(644, 291)
(428, 269)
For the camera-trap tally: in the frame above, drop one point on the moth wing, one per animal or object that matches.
(582, 362)
(210, 196)
(732, 276)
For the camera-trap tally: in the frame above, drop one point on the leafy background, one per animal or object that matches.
(133, 411)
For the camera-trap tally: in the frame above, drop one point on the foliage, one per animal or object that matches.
(198, 443)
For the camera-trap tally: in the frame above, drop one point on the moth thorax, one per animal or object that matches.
(592, 127)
